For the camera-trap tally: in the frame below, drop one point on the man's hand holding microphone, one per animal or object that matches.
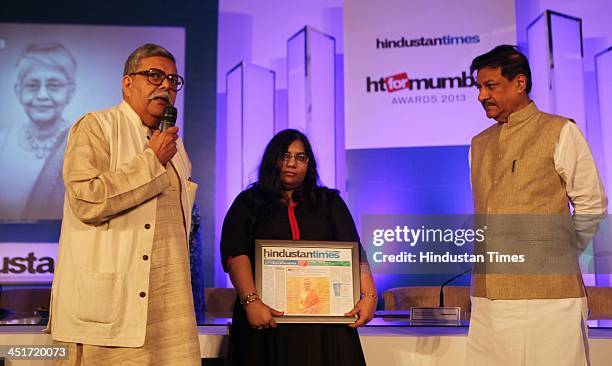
(163, 144)
(163, 141)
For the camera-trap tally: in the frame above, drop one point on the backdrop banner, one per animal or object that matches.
(407, 80)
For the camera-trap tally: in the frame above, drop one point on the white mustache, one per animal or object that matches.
(161, 94)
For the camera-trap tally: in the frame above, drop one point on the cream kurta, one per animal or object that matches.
(171, 337)
(121, 208)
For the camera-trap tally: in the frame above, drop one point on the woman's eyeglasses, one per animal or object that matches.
(299, 157)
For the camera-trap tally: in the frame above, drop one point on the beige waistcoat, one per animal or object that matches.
(518, 192)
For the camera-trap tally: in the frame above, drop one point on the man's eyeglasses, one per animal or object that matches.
(157, 77)
(299, 157)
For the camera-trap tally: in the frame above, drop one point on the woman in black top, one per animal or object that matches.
(287, 204)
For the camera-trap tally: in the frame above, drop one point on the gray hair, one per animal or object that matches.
(144, 51)
(52, 54)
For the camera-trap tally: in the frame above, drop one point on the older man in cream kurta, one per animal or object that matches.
(122, 292)
(525, 172)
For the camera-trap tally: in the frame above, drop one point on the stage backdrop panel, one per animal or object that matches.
(77, 69)
(407, 80)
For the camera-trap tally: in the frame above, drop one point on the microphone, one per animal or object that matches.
(168, 119)
(441, 304)
(441, 314)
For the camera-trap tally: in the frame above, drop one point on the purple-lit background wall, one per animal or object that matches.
(257, 33)
(96, 67)
(97, 81)
(596, 37)
(412, 157)
(198, 19)
(402, 180)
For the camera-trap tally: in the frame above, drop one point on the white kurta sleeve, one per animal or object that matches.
(574, 163)
(470, 164)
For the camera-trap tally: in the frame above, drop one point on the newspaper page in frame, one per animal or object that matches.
(309, 283)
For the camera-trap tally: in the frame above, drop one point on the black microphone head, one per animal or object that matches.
(168, 119)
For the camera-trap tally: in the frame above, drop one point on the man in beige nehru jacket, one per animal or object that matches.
(122, 291)
(527, 170)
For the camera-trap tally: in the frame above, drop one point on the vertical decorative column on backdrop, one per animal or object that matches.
(603, 70)
(556, 59)
(250, 124)
(248, 128)
(311, 77)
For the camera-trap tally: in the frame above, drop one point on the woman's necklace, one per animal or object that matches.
(41, 147)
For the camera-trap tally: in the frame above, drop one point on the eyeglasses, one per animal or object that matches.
(157, 77)
(299, 157)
